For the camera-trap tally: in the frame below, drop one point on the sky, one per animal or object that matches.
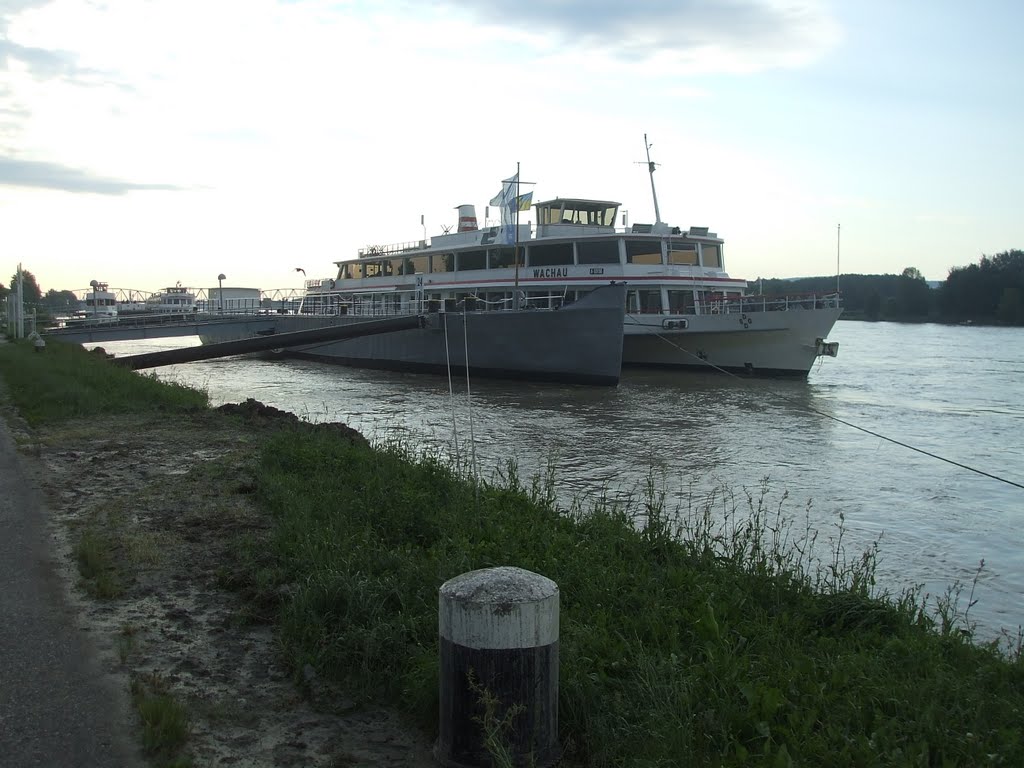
(146, 143)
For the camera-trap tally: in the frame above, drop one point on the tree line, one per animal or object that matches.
(46, 304)
(990, 292)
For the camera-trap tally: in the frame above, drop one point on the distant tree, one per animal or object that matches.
(978, 291)
(873, 310)
(30, 288)
(1011, 308)
(913, 273)
(60, 302)
(914, 299)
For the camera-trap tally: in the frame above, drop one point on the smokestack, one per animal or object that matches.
(467, 218)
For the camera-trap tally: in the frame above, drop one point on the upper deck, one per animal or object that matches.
(568, 232)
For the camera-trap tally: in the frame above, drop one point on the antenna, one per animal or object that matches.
(838, 228)
(650, 169)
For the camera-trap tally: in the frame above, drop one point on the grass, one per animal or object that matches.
(66, 382)
(710, 635)
(97, 564)
(165, 722)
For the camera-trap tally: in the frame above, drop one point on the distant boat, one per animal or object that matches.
(100, 305)
(175, 299)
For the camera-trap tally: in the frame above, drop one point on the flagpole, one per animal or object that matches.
(838, 228)
(515, 247)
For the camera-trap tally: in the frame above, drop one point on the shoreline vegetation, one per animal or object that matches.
(710, 634)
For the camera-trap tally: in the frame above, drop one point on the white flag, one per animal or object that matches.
(507, 196)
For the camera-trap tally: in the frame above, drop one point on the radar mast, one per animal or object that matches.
(650, 169)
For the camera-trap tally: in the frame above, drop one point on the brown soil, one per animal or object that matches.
(170, 497)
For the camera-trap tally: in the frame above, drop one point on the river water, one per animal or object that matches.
(957, 392)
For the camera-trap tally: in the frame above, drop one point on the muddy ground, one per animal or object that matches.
(169, 498)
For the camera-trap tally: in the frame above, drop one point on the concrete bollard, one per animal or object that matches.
(498, 634)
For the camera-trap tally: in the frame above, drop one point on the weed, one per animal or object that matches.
(126, 642)
(495, 729)
(165, 726)
(97, 565)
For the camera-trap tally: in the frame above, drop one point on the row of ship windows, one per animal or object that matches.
(552, 255)
(637, 301)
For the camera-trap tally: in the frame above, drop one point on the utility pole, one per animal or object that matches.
(19, 307)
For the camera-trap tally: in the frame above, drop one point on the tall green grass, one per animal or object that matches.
(66, 382)
(711, 635)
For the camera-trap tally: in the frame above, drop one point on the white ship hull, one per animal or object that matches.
(784, 343)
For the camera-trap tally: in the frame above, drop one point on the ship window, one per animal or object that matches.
(473, 260)
(550, 255)
(650, 302)
(643, 252)
(598, 251)
(684, 253)
(353, 271)
(712, 257)
(373, 269)
(442, 262)
(549, 215)
(412, 265)
(680, 302)
(502, 258)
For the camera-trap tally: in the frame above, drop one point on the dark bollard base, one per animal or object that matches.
(523, 677)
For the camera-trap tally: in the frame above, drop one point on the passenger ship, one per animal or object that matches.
(682, 309)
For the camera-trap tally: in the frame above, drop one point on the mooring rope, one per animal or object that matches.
(469, 397)
(451, 390)
(865, 430)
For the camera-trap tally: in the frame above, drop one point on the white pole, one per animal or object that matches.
(19, 307)
(838, 228)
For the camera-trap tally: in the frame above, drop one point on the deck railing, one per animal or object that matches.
(750, 304)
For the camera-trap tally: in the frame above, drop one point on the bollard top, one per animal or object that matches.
(504, 585)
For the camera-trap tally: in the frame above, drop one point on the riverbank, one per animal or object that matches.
(147, 510)
(224, 531)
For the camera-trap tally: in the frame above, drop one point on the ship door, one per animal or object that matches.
(419, 293)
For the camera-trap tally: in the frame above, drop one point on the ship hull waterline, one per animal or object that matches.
(577, 344)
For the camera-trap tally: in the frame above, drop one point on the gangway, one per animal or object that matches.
(269, 342)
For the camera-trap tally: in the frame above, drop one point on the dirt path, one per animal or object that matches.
(167, 499)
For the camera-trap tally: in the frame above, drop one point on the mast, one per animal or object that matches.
(515, 246)
(650, 169)
(838, 227)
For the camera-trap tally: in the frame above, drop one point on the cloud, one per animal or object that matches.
(41, 175)
(709, 35)
(38, 61)
(41, 63)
